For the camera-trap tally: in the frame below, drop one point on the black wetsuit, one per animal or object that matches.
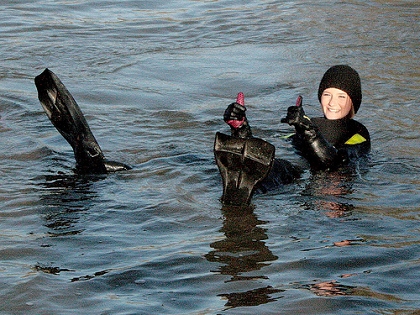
(348, 137)
(331, 144)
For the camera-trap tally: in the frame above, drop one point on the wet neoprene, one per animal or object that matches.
(324, 142)
(331, 143)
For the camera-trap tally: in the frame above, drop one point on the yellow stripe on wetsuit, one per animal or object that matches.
(356, 139)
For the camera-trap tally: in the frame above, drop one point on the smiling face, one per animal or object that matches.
(336, 104)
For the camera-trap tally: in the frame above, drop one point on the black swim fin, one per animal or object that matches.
(243, 163)
(66, 116)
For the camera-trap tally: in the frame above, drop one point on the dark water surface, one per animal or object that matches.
(153, 78)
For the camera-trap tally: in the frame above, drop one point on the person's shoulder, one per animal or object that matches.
(358, 129)
(358, 126)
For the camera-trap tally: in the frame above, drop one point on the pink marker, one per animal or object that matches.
(240, 99)
(299, 101)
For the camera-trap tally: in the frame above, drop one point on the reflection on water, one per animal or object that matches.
(334, 288)
(251, 298)
(65, 198)
(330, 192)
(243, 251)
(331, 288)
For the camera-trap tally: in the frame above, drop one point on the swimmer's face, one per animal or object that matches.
(336, 104)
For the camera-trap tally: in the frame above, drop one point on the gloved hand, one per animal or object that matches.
(321, 153)
(296, 117)
(234, 115)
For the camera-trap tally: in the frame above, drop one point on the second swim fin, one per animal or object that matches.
(66, 116)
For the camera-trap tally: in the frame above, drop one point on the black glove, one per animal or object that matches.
(234, 115)
(296, 117)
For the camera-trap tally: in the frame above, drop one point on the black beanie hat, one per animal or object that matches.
(344, 78)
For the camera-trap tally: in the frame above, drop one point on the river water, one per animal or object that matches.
(153, 79)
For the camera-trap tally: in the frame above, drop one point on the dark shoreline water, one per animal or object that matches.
(153, 79)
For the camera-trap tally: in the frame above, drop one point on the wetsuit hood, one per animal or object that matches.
(344, 78)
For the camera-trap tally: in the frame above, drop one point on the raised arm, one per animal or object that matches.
(318, 151)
